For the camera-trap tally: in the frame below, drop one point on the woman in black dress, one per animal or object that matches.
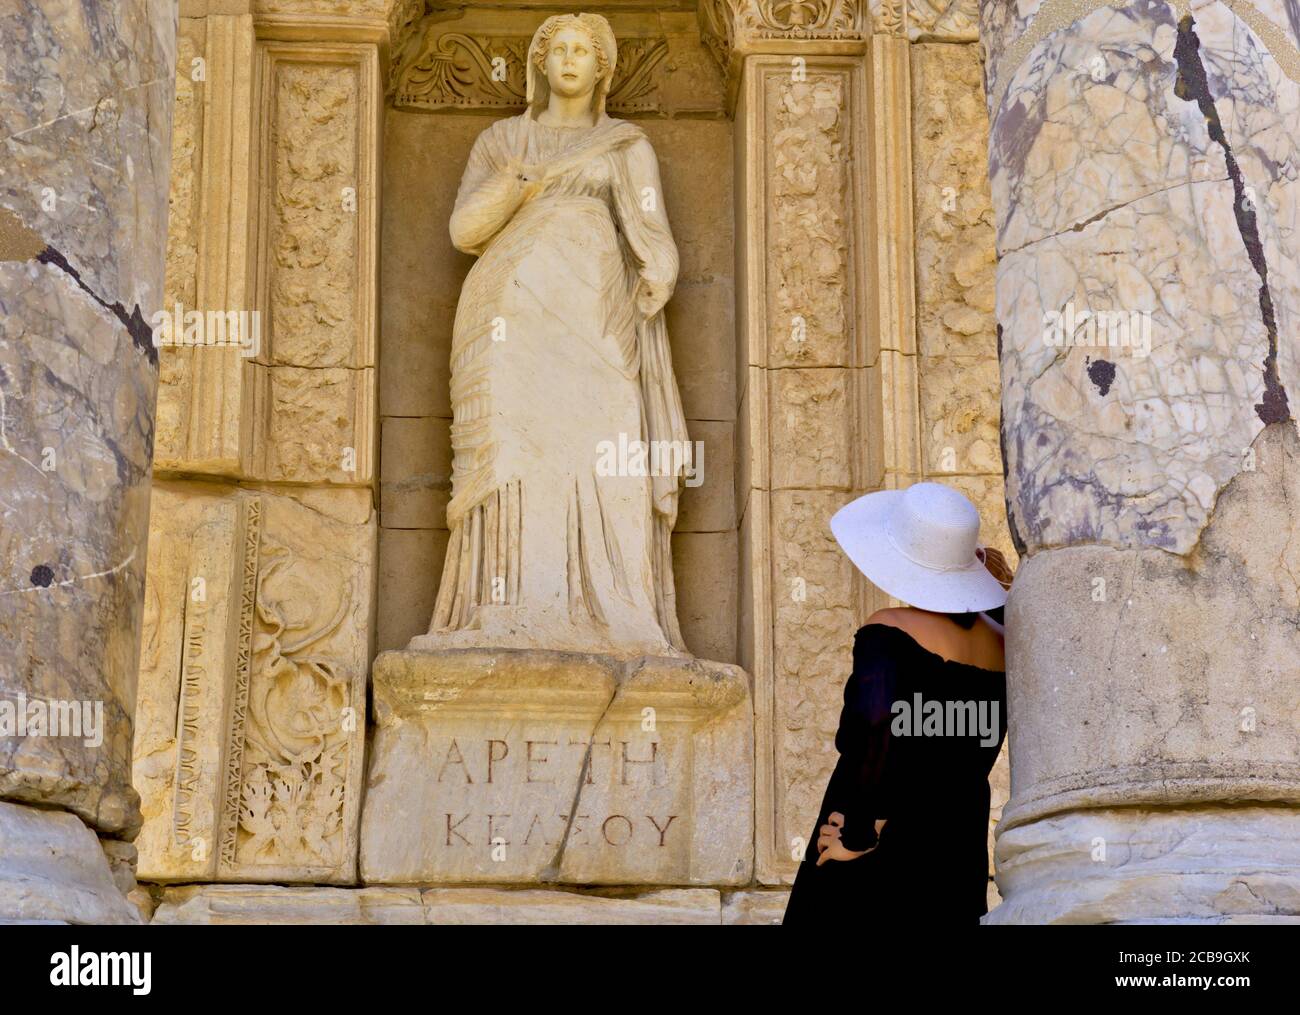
(903, 826)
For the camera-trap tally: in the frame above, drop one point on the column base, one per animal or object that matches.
(1138, 865)
(53, 870)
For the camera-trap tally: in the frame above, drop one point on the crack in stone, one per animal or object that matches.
(140, 332)
(1016, 539)
(1272, 907)
(86, 109)
(1054, 15)
(67, 582)
(1080, 226)
(551, 872)
(1192, 85)
(127, 470)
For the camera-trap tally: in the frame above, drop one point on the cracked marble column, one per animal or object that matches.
(1143, 160)
(86, 93)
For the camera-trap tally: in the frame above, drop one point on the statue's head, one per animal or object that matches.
(571, 55)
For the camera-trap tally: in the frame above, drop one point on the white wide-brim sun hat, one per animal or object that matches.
(919, 545)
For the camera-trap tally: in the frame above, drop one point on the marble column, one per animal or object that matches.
(1143, 161)
(86, 94)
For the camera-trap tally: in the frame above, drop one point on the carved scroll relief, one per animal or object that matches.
(459, 71)
(250, 725)
(311, 416)
(950, 20)
(477, 63)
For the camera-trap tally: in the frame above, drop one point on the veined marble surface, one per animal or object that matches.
(85, 111)
(1143, 161)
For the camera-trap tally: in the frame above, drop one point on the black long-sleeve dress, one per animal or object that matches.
(931, 864)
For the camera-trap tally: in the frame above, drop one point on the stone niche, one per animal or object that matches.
(444, 97)
(537, 766)
(533, 766)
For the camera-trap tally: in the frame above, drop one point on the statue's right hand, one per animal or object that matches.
(522, 179)
(526, 182)
(531, 189)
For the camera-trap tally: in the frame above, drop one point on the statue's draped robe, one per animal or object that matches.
(560, 345)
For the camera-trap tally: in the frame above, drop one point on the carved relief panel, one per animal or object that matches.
(813, 391)
(250, 726)
(312, 383)
(949, 20)
(475, 61)
(275, 202)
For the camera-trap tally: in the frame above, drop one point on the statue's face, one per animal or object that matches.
(571, 64)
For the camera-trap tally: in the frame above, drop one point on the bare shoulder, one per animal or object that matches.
(980, 646)
(905, 618)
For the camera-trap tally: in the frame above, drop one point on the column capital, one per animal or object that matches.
(734, 29)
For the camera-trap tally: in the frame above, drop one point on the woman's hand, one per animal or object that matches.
(829, 846)
(995, 564)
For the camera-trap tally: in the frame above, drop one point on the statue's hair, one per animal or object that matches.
(597, 28)
(592, 24)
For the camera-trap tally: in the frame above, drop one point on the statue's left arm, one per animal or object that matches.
(639, 201)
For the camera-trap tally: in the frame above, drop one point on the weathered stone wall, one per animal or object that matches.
(955, 260)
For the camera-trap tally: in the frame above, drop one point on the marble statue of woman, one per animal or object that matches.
(559, 350)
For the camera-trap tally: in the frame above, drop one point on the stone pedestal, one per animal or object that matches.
(533, 766)
(1191, 864)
